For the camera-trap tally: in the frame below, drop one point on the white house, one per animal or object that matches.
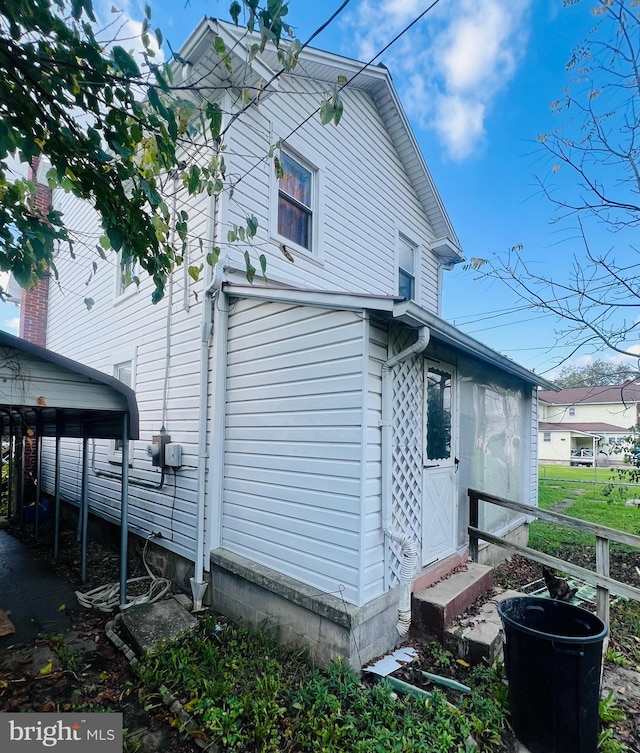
(579, 424)
(323, 425)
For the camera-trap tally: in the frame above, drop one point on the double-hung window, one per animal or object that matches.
(124, 371)
(406, 268)
(295, 202)
(127, 279)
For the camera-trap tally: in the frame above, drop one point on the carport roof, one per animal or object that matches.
(51, 393)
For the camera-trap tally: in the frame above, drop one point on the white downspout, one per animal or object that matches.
(198, 584)
(408, 545)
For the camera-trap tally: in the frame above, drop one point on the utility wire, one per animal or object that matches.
(347, 83)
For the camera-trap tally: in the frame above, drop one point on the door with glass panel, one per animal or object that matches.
(439, 497)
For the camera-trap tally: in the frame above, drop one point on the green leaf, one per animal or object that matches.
(124, 62)
(252, 226)
(213, 256)
(214, 115)
(194, 272)
(234, 11)
(326, 112)
(250, 269)
(263, 265)
(221, 49)
(89, 302)
(286, 253)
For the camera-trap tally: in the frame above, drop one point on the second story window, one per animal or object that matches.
(572, 411)
(295, 202)
(406, 269)
(127, 280)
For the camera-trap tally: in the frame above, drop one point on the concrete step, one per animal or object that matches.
(477, 636)
(436, 607)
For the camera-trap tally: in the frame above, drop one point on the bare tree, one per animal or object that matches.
(593, 181)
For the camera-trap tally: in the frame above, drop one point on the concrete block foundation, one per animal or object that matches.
(324, 623)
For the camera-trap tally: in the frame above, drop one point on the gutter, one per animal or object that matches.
(408, 545)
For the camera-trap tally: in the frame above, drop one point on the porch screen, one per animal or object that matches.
(494, 426)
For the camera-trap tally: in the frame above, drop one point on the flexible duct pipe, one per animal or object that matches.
(408, 546)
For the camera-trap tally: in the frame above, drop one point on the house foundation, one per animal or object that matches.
(324, 623)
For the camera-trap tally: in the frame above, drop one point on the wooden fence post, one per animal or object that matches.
(473, 522)
(602, 568)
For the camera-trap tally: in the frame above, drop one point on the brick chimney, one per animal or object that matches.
(35, 302)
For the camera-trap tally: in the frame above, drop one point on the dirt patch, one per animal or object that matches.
(562, 505)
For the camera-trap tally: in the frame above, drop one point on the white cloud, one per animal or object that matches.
(124, 26)
(11, 325)
(452, 65)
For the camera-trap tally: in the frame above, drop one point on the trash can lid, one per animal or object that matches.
(551, 619)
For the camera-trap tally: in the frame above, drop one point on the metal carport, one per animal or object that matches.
(44, 394)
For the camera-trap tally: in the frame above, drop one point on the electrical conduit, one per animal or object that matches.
(409, 547)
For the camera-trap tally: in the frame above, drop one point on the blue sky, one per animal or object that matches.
(476, 78)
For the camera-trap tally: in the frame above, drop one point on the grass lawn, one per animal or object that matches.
(602, 502)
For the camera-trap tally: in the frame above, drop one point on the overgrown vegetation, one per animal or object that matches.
(247, 693)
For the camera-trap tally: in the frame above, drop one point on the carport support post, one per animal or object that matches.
(124, 516)
(56, 534)
(38, 474)
(84, 509)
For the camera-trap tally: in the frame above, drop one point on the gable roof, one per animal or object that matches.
(624, 393)
(327, 67)
(593, 427)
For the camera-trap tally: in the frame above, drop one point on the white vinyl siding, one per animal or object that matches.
(373, 579)
(533, 481)
(93, 337)
(365, 188)
(292, 473)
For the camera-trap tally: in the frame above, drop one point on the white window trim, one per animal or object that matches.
(316, 252)
(417, 265)
(120, 356)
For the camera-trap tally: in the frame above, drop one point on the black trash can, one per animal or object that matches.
(553, 654)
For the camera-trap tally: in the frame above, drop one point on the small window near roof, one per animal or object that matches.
(406, 269)
(546, 437)
(572, 411)
(295, 197)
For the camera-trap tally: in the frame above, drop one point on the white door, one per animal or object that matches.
(439, 497)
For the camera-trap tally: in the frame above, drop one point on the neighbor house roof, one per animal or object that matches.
(328, 68)
(623, 393)
(593, 427)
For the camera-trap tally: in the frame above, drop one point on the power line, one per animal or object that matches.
(347, 83)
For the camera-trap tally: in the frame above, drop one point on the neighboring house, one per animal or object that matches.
(326, 424)
(582, 423)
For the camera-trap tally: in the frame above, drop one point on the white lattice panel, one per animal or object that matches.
(407, 444)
